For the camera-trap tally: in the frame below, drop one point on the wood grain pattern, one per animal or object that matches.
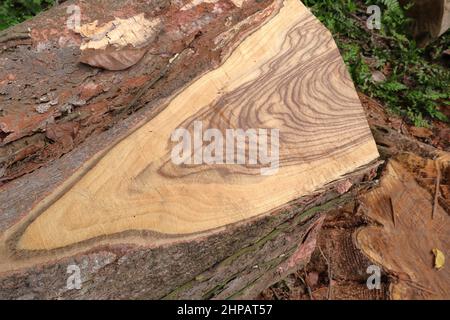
(288, 75)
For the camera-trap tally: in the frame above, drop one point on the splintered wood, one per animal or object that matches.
(126, 40)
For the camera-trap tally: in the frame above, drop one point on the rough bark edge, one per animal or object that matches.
(131, 272)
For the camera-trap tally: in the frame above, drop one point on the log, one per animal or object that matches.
(431, 18)
(227, 141)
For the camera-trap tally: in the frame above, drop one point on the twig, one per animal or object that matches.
(14, 35)
(418, 286)
(406, 278)
(391, 202)
(438, 186)
(308, 288)
(393, 212)
(329, 273)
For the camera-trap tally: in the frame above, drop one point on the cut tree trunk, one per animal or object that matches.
(431, 18)
(120, 205)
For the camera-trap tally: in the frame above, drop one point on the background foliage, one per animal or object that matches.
(16, 11)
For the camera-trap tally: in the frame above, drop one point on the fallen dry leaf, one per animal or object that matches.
(439, 259)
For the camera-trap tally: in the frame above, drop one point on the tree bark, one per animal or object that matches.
(235, 263)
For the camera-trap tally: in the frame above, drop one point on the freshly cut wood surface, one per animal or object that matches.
(288, 75)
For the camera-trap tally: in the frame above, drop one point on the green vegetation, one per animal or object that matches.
(15, 11)
(415, 85)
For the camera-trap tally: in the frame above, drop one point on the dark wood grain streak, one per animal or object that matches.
(291, 86)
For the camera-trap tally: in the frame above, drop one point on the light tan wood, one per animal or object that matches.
(127, 38)
(288, 75)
